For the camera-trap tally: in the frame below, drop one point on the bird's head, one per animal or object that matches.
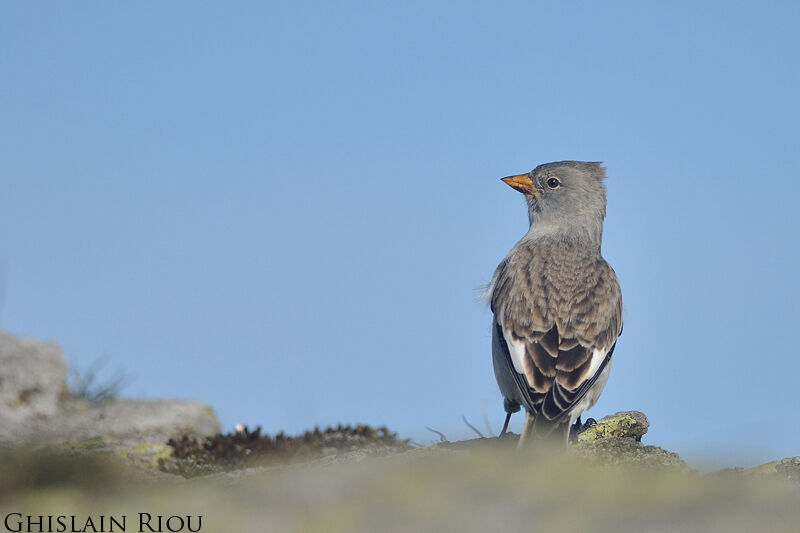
(564, 195)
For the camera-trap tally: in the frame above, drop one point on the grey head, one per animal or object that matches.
(565, 197)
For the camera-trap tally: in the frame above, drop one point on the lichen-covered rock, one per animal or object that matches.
(616, 440)
(32, 379)
(626, 424)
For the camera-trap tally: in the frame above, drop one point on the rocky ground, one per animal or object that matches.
(63, 454)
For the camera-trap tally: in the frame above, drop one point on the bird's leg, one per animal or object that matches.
(505, 424)
(511, 407)
(567, 431)
(526, 431)
(574, 430)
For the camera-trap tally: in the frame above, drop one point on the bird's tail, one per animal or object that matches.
(540, 429)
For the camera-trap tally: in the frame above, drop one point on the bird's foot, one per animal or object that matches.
(578, 428)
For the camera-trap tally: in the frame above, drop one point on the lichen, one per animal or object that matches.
(627, 424)
(150, 453)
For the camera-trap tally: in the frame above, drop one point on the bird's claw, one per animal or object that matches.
(578, 428)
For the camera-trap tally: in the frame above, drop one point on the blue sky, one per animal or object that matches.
(286, 209)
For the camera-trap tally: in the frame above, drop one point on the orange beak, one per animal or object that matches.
(521, 182)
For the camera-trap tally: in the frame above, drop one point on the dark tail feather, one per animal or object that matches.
(556, 431)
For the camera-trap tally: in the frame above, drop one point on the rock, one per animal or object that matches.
(36, 410)
(628, 452)
(789, 468)
(616, 440)
(121, 420)
(32, 379)
(630, 424)
(766, 469)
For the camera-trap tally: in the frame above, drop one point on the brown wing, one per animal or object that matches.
(559, 323)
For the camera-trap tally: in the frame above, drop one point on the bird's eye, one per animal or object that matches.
(554, 183)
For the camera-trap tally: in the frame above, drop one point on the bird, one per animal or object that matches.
(556, 303)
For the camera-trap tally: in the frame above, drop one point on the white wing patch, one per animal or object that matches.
(516, 349)
(598, 356)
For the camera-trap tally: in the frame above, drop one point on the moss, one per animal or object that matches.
(241, 449)
(93, 444)
(24, 469)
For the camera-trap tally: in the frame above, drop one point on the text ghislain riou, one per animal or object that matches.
(141, 523)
